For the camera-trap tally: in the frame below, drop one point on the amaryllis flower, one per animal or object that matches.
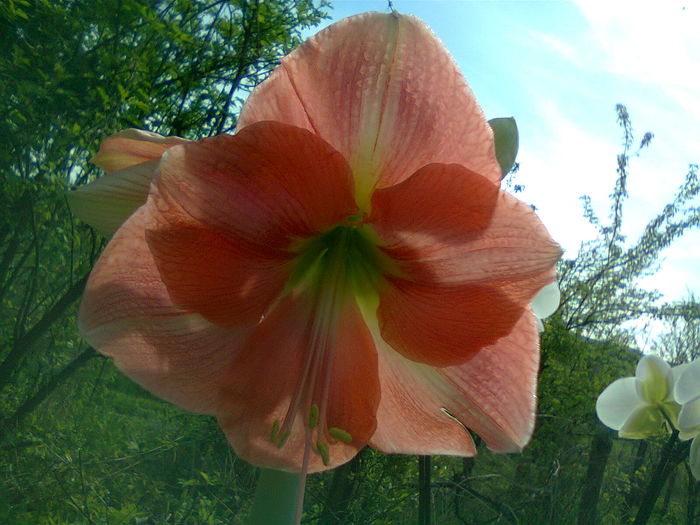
(639, 407)
(342, 271)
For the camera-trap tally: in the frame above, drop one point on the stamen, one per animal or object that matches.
(275, 430)
(340, 434)
(313, 416)
(283, 438)
(322, 449)
(341, 264)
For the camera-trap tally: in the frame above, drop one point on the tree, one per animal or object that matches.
(600, 286)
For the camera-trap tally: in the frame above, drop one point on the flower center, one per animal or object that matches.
(342, 264)
(348, 252)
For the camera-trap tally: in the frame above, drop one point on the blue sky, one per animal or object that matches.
(560, 68)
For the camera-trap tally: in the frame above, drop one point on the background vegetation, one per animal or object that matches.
(81, 444)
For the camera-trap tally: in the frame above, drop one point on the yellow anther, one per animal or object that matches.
(283, 439)
(313, 416)
(323, 452)
(275, 430)
(340, 434)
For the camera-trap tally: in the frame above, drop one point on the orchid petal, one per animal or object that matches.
(617, 402)
(447, 225)
(676, 373)
(689, 417)
(643, 422)
(694, 458)
(269, 184)
(653, 376)
(108, 201)
(127, 314)
(687, 386)
(492, 394)
(686, 435)
(385, 93)
(131, 147)
(546, 302)
(540, 324)
(266, 375)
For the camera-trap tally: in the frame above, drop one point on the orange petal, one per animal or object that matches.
(442, 326)
(385, 93)
(469, 258)
(492, 394)
(108, 201)
(449, 226)
(265, 376)
(268, 184)
(127, 314)
(227, 280)
(130, 147)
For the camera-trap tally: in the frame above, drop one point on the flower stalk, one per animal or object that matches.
(277, 498)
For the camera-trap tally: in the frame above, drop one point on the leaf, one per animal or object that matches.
(505, 135)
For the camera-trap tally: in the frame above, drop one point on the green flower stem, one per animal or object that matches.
(658, 479)
(276, 498)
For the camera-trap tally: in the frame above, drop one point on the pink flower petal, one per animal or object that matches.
(127, 314)
(270, 184)
(130, 147)
(410, 419)
(385, 93)
(266, 375)
(492, 394)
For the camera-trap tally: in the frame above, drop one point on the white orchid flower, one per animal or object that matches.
(637, 407)
(687, 393)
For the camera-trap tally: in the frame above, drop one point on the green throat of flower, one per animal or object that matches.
(346, 256)
(341, 265)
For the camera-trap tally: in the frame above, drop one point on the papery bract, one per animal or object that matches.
(342, 271)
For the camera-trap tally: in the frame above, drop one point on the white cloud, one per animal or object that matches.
(654, 42)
